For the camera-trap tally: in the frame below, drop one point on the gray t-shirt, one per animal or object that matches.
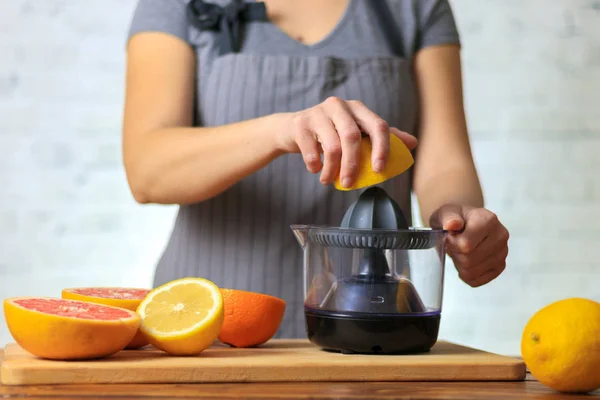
(241, 238)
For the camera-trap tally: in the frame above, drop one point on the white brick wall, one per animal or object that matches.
(532, 81)
(66, 215)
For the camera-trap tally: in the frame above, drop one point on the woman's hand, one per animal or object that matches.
(477, 242)
(333, 128)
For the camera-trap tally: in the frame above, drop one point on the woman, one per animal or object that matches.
(229, 107)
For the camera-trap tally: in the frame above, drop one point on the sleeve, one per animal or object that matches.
(167, 16)
(436, 24)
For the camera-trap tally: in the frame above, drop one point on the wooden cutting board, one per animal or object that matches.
(277, 360)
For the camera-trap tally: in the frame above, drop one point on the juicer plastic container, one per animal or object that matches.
(372, 290)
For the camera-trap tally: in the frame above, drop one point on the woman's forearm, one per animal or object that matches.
(445, 171)
(459, 185)
(167, 160)
(182, 165)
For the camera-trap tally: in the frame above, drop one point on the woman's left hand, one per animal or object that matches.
(477, 242)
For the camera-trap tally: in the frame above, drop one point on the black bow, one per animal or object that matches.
(226, 20)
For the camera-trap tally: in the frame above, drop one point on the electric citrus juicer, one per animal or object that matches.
(373, 284)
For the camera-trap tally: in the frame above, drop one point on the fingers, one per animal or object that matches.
(307, 143)
(479, 252)
(486, 278)
(334, 128)
(377, 129)
(481, 223)
(328, 137)
(486, 271)
(349, 137)
(493, 244)
(448, 217)
(409, 140)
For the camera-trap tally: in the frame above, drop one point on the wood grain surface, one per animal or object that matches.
(529, 389)
(276, 361)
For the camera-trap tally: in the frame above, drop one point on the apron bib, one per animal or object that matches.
(242, 238)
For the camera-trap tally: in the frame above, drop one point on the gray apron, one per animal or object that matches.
(241, 238)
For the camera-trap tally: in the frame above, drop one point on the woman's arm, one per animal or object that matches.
(444, 169)
(166, 160)
(446, 180)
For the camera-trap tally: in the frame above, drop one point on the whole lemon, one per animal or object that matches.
(561, 345)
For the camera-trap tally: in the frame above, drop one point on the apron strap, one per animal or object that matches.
(389, 25)
(225, 20)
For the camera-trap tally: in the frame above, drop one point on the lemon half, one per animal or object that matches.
(400, 159)
(182, 317)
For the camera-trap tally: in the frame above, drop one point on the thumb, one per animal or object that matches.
(448, 217)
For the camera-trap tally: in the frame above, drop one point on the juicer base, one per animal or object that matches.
(357, 333)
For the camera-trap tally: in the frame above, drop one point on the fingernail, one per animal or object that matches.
(346, 182)
(378, 166)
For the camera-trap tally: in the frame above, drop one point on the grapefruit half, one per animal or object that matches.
(128, 298)
(62, 329)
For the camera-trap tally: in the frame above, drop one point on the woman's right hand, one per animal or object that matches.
(333, 128)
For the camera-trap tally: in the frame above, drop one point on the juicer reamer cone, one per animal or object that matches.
(374, 221)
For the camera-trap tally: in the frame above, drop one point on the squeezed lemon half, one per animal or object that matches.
(400, 159)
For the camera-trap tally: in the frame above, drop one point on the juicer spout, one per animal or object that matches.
(301, 233)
